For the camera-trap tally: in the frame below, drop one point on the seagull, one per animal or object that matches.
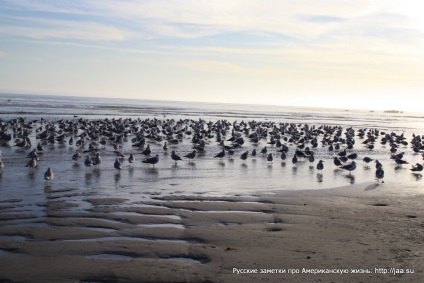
(40, 147)
(117, 164)
(152, 160)
(97, 159)
(367, 159)
(32, 163)
(342, 153)
(175, 157)
(244, 156)
(76, 156)
(191, 155)
(221, 154)
(283, 156)
(320, 165)
(269, 158)
(379, 174)
(352, 156)
(350, 167)
(400, 162)
(417, 168)
(294, 159)
(254, 153)
(49, 174)
(1, 166)
(397, 156)
(131, 159)
(147, 151)
(88, 162)
(337, 161)
(378, 165)
(33, 154)
(264, 150)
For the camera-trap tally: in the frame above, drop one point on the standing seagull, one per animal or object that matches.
(244, 156)
(294, 159)
(400, 162)
(88, 163)
(152, 160)
(49, 174)
(269, 158)
(117, 164)
(97, 159)
(349, 167)
(131, 159)
(320, 165)
(1, 166)
(221, 154)
(175, 157)
(367, 160)
(337, 161)
(76, 156)
(379, 174)
(191, 155)
(32, 163)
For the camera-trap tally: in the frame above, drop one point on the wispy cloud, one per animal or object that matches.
(302, 19)
(47, 28)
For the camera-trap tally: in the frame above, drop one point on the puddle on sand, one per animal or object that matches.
(186, 260)
(125, 257)
(16, 238)
(100, 229)
(110, 257)
(166, 225)
(176, 217)
(102, 239)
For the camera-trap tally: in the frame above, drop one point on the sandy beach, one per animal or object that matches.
(350, 234)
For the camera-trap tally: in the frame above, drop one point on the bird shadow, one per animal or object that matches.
(48, 188)
(351, 178)
(131, 170)
(319, 177)
(417, 176)
(117, 176)
(371, 187)
(152, 170)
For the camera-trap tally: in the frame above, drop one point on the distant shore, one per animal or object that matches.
(366, 228)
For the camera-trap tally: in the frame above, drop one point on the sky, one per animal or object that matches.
(363, 54)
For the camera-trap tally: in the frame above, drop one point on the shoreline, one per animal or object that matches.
(192, 238)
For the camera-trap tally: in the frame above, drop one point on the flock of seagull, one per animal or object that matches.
(91, 137)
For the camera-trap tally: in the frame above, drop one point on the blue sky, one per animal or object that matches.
(333, 53)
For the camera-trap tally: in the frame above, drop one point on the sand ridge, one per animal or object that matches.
(199, 238)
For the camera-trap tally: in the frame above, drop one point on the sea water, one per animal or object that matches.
(205, 175)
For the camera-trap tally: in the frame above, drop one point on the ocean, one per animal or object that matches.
(206, 175)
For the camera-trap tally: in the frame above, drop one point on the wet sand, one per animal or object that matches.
(199, 238)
